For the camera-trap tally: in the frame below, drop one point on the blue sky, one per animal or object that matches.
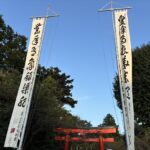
(81, 43)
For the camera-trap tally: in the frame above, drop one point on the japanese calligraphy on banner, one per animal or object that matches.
(24, 95)
(124, 60)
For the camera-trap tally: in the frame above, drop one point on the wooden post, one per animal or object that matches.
(101, 143)
(67, 142)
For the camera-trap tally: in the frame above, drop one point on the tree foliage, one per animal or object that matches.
(108, 121)
(141, 85)
(47, 111)
(64, 84)
(12, 47)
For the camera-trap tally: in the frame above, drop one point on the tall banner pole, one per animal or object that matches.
(23, 99)
(18, 121)
(124, 60)
(124, 63)
(31, 91)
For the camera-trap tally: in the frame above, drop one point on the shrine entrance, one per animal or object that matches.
(76, 135)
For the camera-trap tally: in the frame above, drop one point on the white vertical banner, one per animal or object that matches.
(124, 60)
(24, 95)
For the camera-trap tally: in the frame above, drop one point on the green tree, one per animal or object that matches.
(108, 121)
(12, 47)
(47, 111)
(64, 84)
(141, 85)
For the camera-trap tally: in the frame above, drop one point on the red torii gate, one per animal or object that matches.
(100, 139)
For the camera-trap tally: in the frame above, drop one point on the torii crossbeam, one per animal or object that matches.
(67, 138)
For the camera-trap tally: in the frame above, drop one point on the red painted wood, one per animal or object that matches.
(66, 142)
(75, 139)
(101, 131)
(101, 143)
